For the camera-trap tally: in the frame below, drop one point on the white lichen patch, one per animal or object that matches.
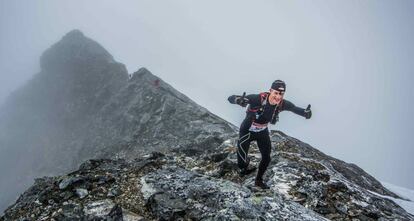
(147, 189)
(99, 208)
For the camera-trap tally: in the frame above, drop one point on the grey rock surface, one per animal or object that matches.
(143, 117)
(179, 186)
(156, 188)
(178, 193)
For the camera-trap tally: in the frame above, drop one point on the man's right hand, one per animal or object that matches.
(242, 101)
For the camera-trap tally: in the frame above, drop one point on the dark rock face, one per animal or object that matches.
(44, 121)
(145, 117)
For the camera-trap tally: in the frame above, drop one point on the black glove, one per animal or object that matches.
(242, 101)
(308, 112)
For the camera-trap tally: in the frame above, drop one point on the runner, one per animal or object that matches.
(263, 108)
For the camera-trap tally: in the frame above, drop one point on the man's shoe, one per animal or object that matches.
(261, 184)
(246, 171)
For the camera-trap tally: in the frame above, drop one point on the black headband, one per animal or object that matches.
(279, 85)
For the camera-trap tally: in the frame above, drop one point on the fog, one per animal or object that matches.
(351, 60)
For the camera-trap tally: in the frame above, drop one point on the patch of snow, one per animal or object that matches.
(405, 193)
(282, 188)
(361, 203)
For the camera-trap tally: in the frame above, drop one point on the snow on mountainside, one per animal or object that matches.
(407, 195)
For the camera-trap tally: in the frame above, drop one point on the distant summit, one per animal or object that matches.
(75, 33)
(74, 49)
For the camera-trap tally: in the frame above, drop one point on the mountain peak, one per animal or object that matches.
(141, 72)
(75, 33)
(74, 49)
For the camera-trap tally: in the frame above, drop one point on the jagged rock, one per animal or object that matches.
(115, 191)
(90, 164)
(101, 208)
(130, 216)
(69, 211)
(69, 182)
(167, 207)
(227, 166)
(155, 155)
(217, 157)
(82, 193)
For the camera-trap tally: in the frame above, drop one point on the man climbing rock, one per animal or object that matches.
(263, 108)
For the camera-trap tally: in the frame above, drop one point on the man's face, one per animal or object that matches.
(275, 96)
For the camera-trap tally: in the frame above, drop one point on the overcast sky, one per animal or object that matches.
(351, 60)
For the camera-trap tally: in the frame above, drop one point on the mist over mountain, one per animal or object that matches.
(83, 105)
(156, 153)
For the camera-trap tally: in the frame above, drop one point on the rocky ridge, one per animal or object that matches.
(206, 186)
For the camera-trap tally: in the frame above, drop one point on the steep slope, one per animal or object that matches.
(150, 115)
(83, 105)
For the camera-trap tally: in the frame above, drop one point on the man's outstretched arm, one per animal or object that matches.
(252, 99)
(307, 113)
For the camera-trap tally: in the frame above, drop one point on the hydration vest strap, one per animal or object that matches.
(263, 98)
(263, 101)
